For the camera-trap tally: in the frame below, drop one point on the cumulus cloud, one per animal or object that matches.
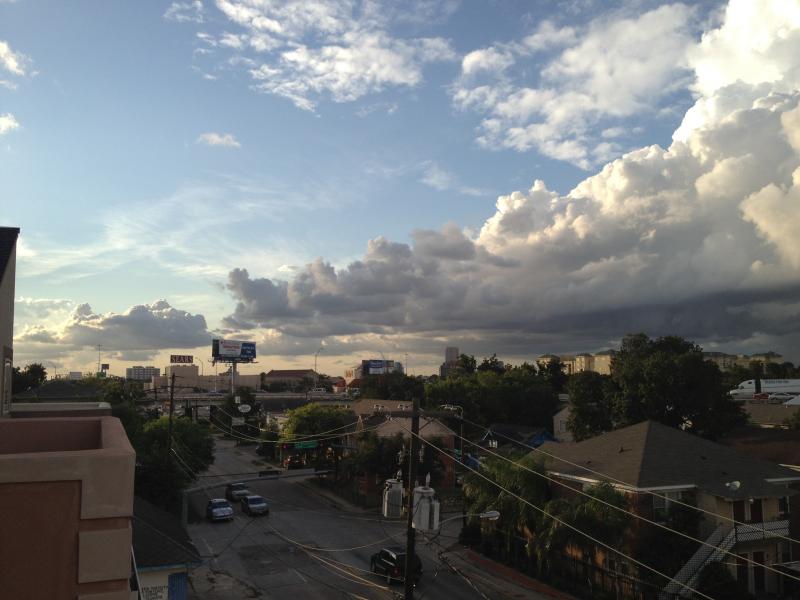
(144, 328)
(696, 239)
(8, 123)
(328, 49)
(13, 62)
(185, 12)
(226, 140)
(611, 69)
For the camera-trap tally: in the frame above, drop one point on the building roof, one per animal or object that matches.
(768, 443)
(428, 428)
(283, 373)
(651, 455)
(159, 540)
(8, 237)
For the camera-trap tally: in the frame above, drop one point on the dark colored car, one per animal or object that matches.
(219, 509)
(295, 461)
(255, 505)
(391, 563)
(236, 491)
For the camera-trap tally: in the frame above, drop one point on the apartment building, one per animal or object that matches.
(8, 261)
(728, 361)
(678, 466)
(139, 373)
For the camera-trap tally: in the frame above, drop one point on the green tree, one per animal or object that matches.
(31, 377)
(492, 364)
(668, 380)
(590, 407)
(466, 364)
(591, 515)
(313, 419)
(552, 372)
(391, 386)
(161, 475)
(516, 517)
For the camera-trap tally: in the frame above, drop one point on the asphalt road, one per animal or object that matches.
(308, 547)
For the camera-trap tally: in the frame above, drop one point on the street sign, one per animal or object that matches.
(244, 408)
(237, 421)
(305, 445)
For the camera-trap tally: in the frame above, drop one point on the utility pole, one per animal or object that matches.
(171, 411)
(412, 478)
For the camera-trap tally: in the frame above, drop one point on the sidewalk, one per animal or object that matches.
(505, 580)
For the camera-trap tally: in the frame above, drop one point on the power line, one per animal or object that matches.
(631, 513)
(302, 436)
(568, 525)
(628, 485)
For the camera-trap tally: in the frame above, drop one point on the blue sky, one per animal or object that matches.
(156, 150)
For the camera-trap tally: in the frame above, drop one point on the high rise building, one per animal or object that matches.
(142, 373)
(450, 361)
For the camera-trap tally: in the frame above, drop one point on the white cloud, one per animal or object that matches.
(698, 239)
(433, 175)
(185, 12)
(486, 59)
(8, 123)
(13, 62)
(329, 49)
(611, 69)
(225, 140)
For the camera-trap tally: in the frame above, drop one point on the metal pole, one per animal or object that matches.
(171, 412)
(412, 476)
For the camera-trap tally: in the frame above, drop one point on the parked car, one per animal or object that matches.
(295, 461)
(391, 564)
(236, 491)
(219, 509)
(255, 505)
(780, 397)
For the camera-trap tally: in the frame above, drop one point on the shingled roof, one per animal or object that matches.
(651, 455)
(159, 540)
(8, 237)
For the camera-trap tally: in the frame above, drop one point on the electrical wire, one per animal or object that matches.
(630, 513)
(628, 485)
(244, 437)
(564, 523)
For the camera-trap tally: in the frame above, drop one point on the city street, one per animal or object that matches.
(311, 546)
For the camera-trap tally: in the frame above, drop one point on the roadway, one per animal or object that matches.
(311, 546)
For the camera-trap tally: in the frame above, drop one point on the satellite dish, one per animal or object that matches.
(733, 485)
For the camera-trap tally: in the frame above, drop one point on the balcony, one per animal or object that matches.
(66, 496)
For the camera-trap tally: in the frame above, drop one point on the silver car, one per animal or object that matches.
(255, 505)
(219, 509)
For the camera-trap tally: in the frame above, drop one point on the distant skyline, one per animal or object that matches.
(380, 179)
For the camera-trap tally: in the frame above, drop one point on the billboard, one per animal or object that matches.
(181, 359)
(379, 367)
(233, 350)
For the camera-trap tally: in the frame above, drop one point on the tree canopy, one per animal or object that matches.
(31, 377)
(313, 419)
(665, 379)
(161, 476)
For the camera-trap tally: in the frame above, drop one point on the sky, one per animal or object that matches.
(383, 179)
